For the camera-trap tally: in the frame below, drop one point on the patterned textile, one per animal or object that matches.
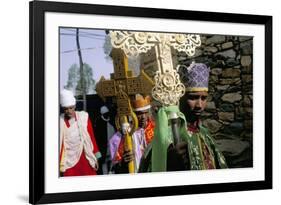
(203, 152)
(149, 131)
(195, 77)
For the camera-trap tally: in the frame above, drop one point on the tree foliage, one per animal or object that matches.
(133, 62)
(107, 47)
(74, 80)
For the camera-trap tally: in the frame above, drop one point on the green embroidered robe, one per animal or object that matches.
(202, 150)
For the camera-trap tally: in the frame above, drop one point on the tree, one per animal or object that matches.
(133, 62)
(74, 80)
(107, 47)
(87, 79)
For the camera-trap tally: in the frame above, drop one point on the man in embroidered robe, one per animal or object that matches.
(141, 137)
(196, 149)
(202, 149)
(79, 152)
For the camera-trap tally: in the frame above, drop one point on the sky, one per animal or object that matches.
(91, 44)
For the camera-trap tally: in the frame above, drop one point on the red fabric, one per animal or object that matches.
(193, 127)
(83, 166)
(92, 135)
(149, 131)
(207, 157)
(120, 151)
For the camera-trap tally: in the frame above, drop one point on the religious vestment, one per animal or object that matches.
(202, 150)
(116, 147)
(79, 152)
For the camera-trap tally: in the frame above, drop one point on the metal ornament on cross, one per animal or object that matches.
(168, 88)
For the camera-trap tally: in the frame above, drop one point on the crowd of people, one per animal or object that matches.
(102, 150)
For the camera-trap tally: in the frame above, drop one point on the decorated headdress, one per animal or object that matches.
(67, 98)
(141, 103)
(195, 77)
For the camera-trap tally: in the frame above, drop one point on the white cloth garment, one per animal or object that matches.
(139, 145)
(75, 139)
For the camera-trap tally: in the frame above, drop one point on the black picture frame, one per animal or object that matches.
(37, 173)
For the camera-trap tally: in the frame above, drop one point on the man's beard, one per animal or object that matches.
(193, 115)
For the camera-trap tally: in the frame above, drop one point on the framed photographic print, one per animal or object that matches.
(130, 102)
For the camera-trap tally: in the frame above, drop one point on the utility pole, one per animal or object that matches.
(83, 89)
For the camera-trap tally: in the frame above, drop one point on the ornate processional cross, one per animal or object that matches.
(168, 89)
(124, 86)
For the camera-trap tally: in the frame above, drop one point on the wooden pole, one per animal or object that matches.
(83, 87)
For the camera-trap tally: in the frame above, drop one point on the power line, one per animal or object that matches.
(68, 29)
(94, 34)
(82, 35)
(87, 31)
(74, 50)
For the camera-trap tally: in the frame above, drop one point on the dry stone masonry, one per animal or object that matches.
(229, 112)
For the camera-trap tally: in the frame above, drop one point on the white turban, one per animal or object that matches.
(67, 98)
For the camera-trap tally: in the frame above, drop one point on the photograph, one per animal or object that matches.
(108, 129)
(129, 102)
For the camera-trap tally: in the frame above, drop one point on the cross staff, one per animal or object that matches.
(168, 88)
(123, 86)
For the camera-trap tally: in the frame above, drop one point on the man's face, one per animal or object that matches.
(69, 112)
(196, 103)
(142, 118)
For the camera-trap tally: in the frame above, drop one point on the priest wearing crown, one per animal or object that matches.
(202, 149)
(196, 149)
(142, 108)
(141, 138)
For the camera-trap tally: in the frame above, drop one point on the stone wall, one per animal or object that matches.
(228, 114)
